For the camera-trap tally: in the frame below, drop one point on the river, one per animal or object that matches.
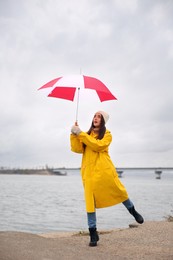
(40, 204)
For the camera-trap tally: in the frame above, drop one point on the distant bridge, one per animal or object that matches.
(144, 168)
(128, 168)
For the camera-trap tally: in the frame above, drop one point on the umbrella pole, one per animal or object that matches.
(77, 108)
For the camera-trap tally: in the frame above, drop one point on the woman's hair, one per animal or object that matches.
(102, 129)
(101, 132)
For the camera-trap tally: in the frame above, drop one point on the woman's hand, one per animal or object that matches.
(75, 130)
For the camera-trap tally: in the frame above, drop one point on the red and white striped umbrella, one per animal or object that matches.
(65, 87)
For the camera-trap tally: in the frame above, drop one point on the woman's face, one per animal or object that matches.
(97, 120)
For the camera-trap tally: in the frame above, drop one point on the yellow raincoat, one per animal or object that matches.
(102, 186)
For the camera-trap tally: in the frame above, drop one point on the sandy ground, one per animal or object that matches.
(150, 241)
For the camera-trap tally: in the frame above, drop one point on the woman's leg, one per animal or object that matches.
(92, 229)
(91, 220)
(128, 203)
(130, 206)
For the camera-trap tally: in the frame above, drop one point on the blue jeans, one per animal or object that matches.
(92, 222)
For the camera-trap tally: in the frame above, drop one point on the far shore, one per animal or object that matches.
(53, 171)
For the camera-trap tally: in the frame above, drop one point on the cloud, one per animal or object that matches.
(129, 46)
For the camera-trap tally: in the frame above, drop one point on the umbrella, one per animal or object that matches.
(65, 87)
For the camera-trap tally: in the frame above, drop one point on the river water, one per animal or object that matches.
(41, 204)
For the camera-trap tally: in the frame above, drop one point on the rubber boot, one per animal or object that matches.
(93, 237)
(136, 215)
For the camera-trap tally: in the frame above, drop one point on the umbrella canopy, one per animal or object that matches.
(65, 87)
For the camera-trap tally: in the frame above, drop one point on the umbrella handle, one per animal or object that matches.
(77, 107)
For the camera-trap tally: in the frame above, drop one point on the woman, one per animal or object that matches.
(102, 186)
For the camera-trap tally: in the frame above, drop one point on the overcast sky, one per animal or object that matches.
(127, 44)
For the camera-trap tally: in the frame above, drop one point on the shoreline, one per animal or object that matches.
(152, 240)
(52, 171)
